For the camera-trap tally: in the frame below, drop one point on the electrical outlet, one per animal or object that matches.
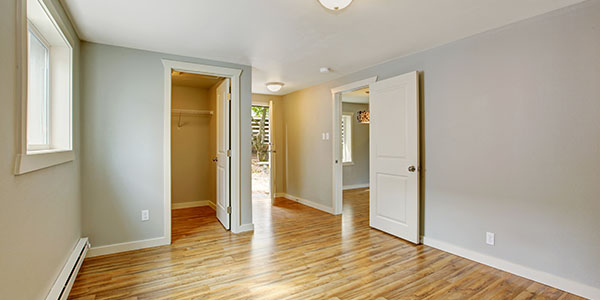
(490, 238)
(326, 135)
(145, 215)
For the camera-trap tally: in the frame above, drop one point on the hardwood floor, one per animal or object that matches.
(295, 252)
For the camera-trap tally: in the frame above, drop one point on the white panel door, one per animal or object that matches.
(394, 156)
(223, 160)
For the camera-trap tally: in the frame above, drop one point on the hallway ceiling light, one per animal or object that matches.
(274, 86)
(363, 117)
(335, 4)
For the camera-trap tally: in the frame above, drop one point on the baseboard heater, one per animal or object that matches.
(63, 284)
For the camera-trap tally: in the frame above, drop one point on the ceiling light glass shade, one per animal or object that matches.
(335, 4)
(274, 86)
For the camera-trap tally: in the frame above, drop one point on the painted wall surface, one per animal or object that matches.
(278, 127)
(511, 127)
(191, 154)
(357, 173)
(122, 142)
(40, 214)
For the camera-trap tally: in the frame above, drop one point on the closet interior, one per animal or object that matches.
(193, 144)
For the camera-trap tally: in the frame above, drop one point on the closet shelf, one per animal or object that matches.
(192, 112)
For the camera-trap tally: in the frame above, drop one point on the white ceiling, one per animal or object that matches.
(358, 96)
(287, 40)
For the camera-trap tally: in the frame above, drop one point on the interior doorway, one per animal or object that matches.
(354, 143)
(346, 114)
(198, 127)
(227, 142)
(263, 153)
(394, 154)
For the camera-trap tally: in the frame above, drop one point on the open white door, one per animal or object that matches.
(223, 155)
(272, 154)
(394, 156)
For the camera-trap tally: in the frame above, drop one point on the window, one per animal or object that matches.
(46, 131)
(347, 138)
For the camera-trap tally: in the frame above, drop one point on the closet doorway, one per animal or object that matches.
(199, 152)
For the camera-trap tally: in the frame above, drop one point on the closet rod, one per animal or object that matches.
(192, 112)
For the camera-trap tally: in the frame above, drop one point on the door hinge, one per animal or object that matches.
(228, 153)
(229, 209)
(229, 97)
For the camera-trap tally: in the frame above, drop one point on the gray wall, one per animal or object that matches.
(511, 144)
(358, 172)
(122, 142)
(40, 212)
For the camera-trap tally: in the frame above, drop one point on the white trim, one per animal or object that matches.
(309, 203)
(234, 76)
(25, 163)
(245, 228)
(336, 174)
(355, 186)
(558, 282)
(180, 205)
(64, 282)
(280, 195)
(128, 246)
(353, 86)
(212, 205)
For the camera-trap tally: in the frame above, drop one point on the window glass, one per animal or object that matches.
(37, 93)
(346, 138)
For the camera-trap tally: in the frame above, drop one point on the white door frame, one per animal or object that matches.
(234, 76)
(336, 95)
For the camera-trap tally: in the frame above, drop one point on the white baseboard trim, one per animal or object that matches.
(555, 281)
(128, 246)
(245, 228)
(310, 203)
(280, 195)
(355, 186)
(212, 205)
(180, 205)
(64, 282)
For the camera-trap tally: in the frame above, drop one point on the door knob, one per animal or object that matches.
(215, 159)
(412, 168)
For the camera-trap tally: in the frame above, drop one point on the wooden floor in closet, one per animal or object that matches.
(295, 252)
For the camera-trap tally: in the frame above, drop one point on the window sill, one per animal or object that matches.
(350, 163)
(37, 160)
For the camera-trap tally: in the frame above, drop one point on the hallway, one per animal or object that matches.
(295, 252)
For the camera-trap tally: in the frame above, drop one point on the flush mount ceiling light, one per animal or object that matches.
(335, 4)
(274, 86)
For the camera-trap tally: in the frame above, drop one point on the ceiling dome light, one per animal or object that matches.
(335, 4)
(274, 86)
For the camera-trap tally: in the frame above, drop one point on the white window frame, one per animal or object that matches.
(347, 138)
(29, 159)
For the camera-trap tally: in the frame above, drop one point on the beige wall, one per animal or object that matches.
(40, 212)
(307, 115)
(278, 127)
(191, 151)
(510, 141)
(357, 173)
